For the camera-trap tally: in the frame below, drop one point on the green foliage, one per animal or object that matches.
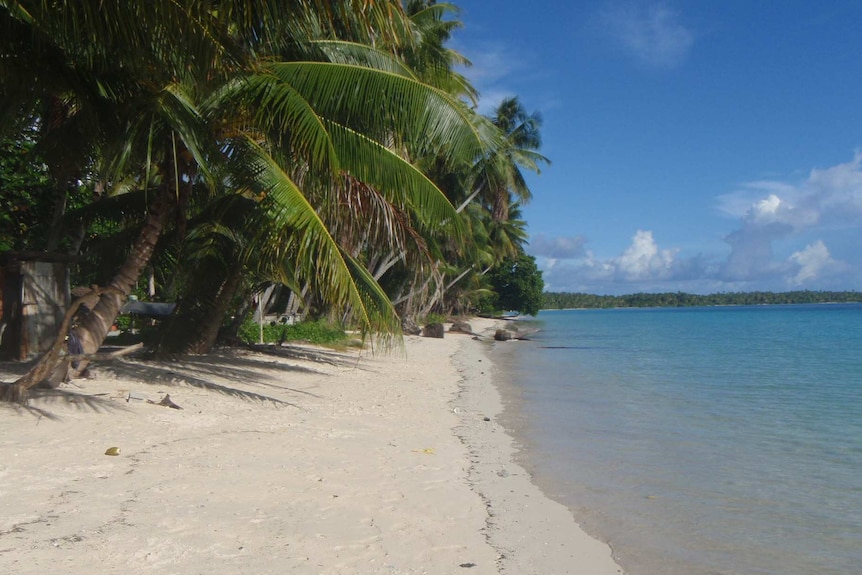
(316, 332)
(343, 125)
(518, 284)
(434, 318)
(25, 195)
(563, 300)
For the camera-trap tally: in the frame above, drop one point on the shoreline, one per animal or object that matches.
(533, 533)
(308, 461)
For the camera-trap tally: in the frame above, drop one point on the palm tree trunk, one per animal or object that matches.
(209, 332)
(94, 327)
(386, 265)
(49, 367)
(501, 206)
(472, 196)
(195, 324)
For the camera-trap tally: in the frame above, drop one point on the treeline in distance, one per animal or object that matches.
(563, 300)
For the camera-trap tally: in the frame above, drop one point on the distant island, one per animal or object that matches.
(565, 300)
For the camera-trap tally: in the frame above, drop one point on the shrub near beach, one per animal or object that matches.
(316, 332)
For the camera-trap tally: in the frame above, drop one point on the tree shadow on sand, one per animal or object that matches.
(98, 403)
(314, 355)
(243, 371)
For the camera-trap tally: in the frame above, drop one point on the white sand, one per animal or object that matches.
(354, 464)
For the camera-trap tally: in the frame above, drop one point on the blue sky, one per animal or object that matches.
(699, 146)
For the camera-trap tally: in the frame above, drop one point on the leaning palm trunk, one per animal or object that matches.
(209, 332)
(50, 366)
(94, 326)
(195, 324)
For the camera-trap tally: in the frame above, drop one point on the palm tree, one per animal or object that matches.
(388, 197)
(499, 176)
(429, 56)
(508, 237)
(202, 102)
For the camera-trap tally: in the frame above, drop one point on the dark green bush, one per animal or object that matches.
(316, 332)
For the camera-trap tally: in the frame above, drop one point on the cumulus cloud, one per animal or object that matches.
(643, 260)
(738, 203)
(652, 33)
(798, 235)
(827, 199)
(569, 266)
(814, 262)
(751, 255)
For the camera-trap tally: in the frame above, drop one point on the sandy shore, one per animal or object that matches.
(308, 461)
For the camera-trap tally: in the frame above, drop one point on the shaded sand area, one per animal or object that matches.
(302, 461)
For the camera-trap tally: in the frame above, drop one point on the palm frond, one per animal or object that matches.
(400, 181)
(298, 227)
(354, 53)
(274, 106)
(381, 104)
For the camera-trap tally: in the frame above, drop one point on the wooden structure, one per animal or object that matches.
(34, 296)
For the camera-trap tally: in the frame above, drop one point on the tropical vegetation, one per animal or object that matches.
(566, 300)
(314, 332)
(318, 158)
(517, 285)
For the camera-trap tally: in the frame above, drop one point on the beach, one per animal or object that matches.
(299, 460)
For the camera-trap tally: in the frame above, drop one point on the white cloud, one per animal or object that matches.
(813, 263)
(651, 33)
(766, 208)
(569, 266)
(828, 199)
(789, 235)
(738, 203)
(751, 254)
(836, 193)
(642, 260)
(491, 65)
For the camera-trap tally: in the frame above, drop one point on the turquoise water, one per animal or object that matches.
(700, 441)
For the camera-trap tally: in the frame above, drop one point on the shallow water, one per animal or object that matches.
(700, 440)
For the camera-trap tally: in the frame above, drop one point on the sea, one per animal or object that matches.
(698, 441)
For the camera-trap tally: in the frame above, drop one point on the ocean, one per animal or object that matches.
(698, 441)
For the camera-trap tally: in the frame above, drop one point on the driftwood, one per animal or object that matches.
(165, 402)
(104, 356)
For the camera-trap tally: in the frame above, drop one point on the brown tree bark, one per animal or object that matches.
(94, 327)
(51, 360)
(194, 325)
(209, 330)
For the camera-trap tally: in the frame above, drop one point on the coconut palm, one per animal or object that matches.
(387, 203)
(498, 176)
(428, 55)
(212, 106)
